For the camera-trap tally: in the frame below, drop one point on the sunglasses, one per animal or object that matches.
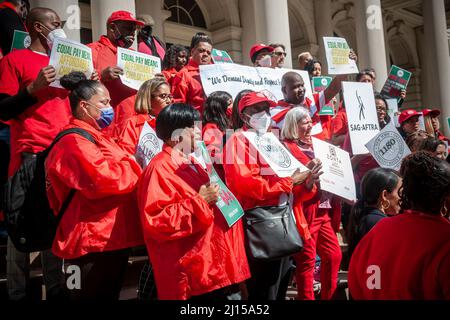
(279, 54)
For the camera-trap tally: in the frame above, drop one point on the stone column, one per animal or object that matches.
(265, 21)
(102, 9)
(324, 28)
(155, 9)
(370, 39)
(68, 11)
(435, 31)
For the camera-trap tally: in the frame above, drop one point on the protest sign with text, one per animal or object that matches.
(397, 80)
(220, 56)
(338, 52)
(280, 160)
(148, 147)
(68, 56)
(227, 203)
(388, 147)
(21, 40)
(137, 67)
(361, 113)
(393, 111)
(233, 78)
(337, 177)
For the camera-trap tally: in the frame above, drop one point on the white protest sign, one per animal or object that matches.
(148, 147)
(137, 67)
(393, 111)
(388, 148)
(337, 52)
(68, 56)
(233, 78)
(362, 114)
(337, 177)
(280, 160)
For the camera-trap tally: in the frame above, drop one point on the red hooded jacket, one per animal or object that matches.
(103, 214)
(192, 250)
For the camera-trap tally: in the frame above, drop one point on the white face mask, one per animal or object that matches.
(265, 62)
(260, 122)
(57, 33)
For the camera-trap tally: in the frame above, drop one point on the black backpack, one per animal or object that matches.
(30, 222)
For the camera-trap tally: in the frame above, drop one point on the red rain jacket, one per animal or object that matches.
(103, 214)
(410, 256)
(123, 112)
(187, 87)
(128, 139)
(192, 249)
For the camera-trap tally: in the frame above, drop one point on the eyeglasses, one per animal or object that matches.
(279, 54)
(163, 96)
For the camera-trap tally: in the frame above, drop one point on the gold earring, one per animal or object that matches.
(384, 205)
(444, 207)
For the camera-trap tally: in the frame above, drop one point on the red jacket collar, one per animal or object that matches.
(105, 41)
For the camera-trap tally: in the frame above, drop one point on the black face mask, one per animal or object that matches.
(146, 32)
(121, 40)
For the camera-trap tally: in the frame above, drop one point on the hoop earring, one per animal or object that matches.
(384, 206)
(444, 207)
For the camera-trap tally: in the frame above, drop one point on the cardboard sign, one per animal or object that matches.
(337, 177)
(220, 56)
(388, 148)
(362, 114)
(21, 40)
(280, 160)
(397, 80)
(337, 52)
(233, 78)
(148, 147)
(68, 56)
(137, 67)
(393, 111)
(227, 203)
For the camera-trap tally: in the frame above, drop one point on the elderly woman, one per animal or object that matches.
(194, 254)
(406, 257)
(318, 211)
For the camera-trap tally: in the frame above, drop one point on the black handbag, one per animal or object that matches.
(271, 233)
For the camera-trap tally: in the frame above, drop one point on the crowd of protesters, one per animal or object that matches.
(400, 222)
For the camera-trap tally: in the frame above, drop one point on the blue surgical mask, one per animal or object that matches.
(106, 116)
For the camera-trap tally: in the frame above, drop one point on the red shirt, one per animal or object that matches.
(412, 254)
(340, 122)
(187, 87)
(144, 48)
(104, 55)
(103, 214)
(170, 75)
(191, 248)
(34, 129)
(213, 138)
(123, 112)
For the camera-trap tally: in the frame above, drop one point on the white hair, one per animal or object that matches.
(290, 126)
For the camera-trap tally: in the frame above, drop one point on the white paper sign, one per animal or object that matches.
(337, 177)
(233, 78)
(68, 56)
(393, 111)
(362, 114)
(388, 148)
(337, 52)
(137, 67)
(280, 160)
(148, 147)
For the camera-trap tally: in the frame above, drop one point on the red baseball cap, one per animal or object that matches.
(435, 112)
(253, 98)
(124, 16)
(257, 48)
(408, 114)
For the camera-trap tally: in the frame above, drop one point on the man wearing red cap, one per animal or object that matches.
(432, 123)
(121, 29)
(187, 86)
(409, 122)
(261, 55)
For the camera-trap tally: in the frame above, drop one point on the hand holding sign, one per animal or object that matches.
(210, 193)
(111, 73)
(339, 56)
(45, 77)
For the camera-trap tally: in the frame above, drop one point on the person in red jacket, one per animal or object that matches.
(121, 30)
(36, 113)
(187, 86)
(101, 221)
(153, 96)
(215, 125)
(407, 257)
(194, 254)
(318, 210)
(175, 60)
(254, 184)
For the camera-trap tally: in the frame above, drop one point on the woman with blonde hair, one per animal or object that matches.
(153, 96)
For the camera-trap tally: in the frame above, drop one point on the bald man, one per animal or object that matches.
(36, 113)
(293, 88)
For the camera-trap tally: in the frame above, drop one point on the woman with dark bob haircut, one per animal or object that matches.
(194, 254)
(407, 257)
